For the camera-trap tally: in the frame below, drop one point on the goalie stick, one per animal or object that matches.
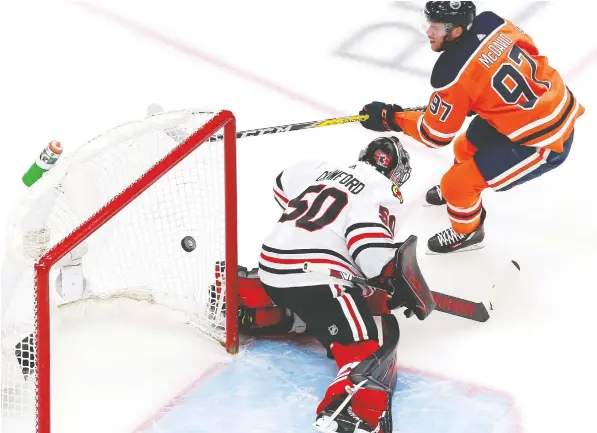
(476, 311)
(176, 134)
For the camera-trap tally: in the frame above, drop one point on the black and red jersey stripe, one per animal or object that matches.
(361, 236)
(278, 261)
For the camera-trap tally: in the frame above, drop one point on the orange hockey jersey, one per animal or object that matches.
(495, 70)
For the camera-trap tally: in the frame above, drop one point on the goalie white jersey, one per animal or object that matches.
(343, 217)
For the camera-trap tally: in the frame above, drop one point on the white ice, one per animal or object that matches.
(73, 69)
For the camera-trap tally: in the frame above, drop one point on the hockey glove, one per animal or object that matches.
(381, 117)
(405, 284)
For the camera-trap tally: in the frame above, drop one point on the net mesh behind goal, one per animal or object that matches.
(145, 211)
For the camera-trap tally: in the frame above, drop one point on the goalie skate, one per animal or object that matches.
(344, 422)
(338, 417)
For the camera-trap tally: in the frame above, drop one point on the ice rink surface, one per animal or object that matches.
(72, 70)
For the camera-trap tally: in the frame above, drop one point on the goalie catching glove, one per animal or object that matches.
(404, 282)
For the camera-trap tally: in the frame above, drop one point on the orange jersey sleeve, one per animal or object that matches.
(496, 71)
(438, 124)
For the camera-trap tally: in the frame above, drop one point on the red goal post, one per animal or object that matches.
(41, 331)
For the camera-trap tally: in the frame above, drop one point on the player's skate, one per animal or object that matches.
(345, 421)
(434, 197)
(448, 241)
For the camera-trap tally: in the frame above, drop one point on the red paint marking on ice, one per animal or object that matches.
(198, 54)
(175, 401)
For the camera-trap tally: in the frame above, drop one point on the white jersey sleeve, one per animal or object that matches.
(370, 227)
(289, 182)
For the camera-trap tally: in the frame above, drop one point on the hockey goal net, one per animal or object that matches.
(145, 211)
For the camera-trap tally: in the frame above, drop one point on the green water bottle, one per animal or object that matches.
(45, 161)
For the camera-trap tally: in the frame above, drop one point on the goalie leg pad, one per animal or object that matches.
(258, 312)
(251, 291)
(374, 408)
(372, 402)
(380, 369)
(347, 357)
(249, 318)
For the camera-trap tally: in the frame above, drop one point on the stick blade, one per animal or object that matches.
(483, 310)
(476, 311)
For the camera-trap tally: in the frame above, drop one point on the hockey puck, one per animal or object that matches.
(188, 244)
(515, 263)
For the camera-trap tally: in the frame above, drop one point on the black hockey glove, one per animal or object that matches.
(381, 116)
(405, 284)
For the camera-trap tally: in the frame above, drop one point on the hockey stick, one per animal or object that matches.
(305, 125)
(174, 133)
(476, 311)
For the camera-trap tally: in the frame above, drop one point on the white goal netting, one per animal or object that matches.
(138, 254)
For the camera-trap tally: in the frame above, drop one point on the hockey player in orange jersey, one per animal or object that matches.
(524, 114)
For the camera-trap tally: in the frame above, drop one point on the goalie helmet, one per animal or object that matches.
(389, 157)
(451, 14)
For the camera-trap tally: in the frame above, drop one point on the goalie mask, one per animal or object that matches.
(387, 156)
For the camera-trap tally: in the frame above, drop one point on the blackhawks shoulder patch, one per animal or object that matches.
(396, 192)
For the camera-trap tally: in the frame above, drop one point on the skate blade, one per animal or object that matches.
(462, 250)
(325, 425)
(425, 204)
